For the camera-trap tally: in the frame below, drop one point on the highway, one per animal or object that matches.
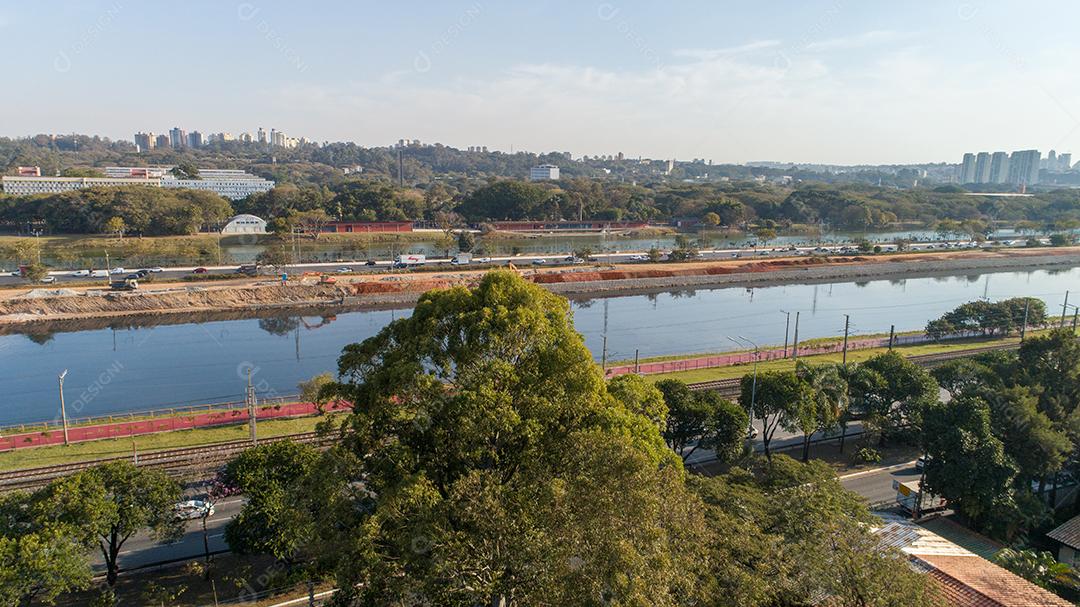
(560, 259)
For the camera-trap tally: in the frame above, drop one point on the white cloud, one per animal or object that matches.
(865, 39)
(707, 54)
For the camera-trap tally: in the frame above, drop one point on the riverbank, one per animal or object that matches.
(19, 308)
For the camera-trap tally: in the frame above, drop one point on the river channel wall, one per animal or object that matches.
(49, 306)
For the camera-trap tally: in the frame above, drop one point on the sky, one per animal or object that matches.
(833, 81)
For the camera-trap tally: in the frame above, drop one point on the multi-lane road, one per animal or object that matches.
(361, 266)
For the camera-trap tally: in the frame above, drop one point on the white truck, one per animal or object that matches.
(910, 497)
(461, 259)
(405, 261)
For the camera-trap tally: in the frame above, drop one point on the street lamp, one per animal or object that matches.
(63, 410)
(753, 384)
(787, 327)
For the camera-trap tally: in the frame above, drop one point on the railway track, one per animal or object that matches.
(171, 460)
(730, 387)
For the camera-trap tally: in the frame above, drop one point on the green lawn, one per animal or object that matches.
(699, 375)
(58, 454)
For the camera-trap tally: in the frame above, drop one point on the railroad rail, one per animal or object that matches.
(730, 387)
(171, 460)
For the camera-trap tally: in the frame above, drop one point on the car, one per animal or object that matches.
(156, 270)
(248, 269)
(142, 273)
(639, 258)
(344, 270)
(48, 280)
(574, 260)
(133, 276)
(200, 270)
(117, 270)
(482, 260)
(81, 273)
(752, 433)
(539, 262)
(920, 463)
(369, 262)
(193, 509)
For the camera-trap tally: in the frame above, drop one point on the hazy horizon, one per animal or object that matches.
(815, 82)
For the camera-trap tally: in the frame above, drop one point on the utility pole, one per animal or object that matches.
(603, 356)
(637, 367)
(250, 398)
(787, 327)
(108, 268)
(1076, 310)
(1023, 328)
(892, 336)
(63, 409)
(401, 167)
(1063, 306)
(795, 341)
(847, 324)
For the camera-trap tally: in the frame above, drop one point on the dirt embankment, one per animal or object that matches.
(402, 289)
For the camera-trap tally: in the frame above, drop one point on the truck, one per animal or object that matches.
(404, 261)
(461, 259)
(910, 497)
(127, 284)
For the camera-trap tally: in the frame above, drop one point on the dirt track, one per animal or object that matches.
(378, 289)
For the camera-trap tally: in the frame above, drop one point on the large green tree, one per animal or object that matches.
(779, 397)
(108, 504)
(486, 463)
(40, 558)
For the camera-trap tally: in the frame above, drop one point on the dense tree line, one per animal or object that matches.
(137, 210)
(989, 318)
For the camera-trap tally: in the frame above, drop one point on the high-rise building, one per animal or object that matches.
(544, 172)
(177, 137)
(1051, 162)
(245, 137)
(162, 141)
(967, 169)
(261, 135)
(145, 141)
(999, 167)
(1024, 167)
(982, 167)
(1065, 161)
(194, 139)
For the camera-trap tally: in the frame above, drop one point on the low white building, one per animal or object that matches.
(544, 172)
(245, 224)
(228, 183)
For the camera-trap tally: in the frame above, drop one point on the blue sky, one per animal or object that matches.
(830, 81)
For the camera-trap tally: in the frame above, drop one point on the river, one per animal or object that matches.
(152, 367)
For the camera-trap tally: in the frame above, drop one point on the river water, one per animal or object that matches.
(152, 367)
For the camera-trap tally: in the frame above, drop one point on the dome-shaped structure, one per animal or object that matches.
(245, 224)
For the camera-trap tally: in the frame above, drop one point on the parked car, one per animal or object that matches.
(920, 463)
(199, 270)
(193, 509)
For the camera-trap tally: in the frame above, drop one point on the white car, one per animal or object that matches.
(639, 258)
(81, 273)
(482, 260)
(48, 280)
(156, 270)
(193, 509)
(118, 271)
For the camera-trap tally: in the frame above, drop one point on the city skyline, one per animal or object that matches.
(804, 83)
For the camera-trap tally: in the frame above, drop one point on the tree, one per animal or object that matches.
(485, 460)
(827, 402)
(185, 170)
(1039, 568)
(640, 396)
(311, 390)
(1052, 361)
(710, 219)
(654, 254)
(39, 558)
(765, 235)
(965, 463)
(108, 504)
(893, 391)
(116, 226)
(275, 257)
(465, 241)
(272, 521)
(778, 399)
(702, 420)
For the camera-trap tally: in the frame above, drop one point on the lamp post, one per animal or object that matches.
(63, 409)
(753, 384)
(787, 327)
